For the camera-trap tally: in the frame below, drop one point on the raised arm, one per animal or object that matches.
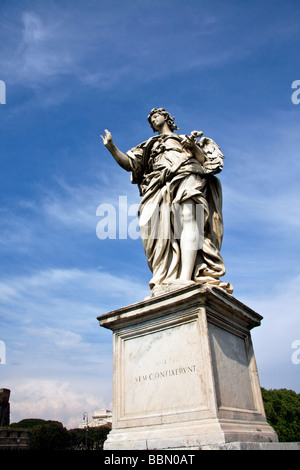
(121, 158)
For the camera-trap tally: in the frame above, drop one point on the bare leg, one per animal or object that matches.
(190, 238)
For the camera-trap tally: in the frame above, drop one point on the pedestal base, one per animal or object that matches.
(184, 372)
(254, 446)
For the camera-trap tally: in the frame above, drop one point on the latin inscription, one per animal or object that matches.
(155, 375)
(162, 371)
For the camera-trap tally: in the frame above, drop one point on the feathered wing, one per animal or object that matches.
(213, 156)
(213, 164)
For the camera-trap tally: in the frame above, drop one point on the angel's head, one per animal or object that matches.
(157, 113)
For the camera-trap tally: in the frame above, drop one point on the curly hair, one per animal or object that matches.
(169, 119)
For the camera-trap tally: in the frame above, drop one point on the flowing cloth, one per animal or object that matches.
(168, 174)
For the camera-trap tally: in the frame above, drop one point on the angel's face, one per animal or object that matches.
(157, 120)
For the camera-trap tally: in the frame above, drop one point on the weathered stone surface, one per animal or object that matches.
(180, 213)
(254, 446)
(184, 372)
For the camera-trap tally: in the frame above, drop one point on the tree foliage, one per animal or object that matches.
(51, 435)
(91, 439)
(282, 409)
(29, 423)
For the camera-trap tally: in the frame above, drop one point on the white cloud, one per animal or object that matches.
(61, 212)
(59, 42)
(58, 337)
(75, 206)
(53, 399)
(57, 295)
(38, 58)
(15, 232)
(58, 359)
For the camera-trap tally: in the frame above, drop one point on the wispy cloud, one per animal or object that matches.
(61, 207)
(40, 55)
(54, 399)
(76, 205)
(63, 43)
(53, 340)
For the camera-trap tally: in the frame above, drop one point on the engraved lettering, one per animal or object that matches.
(163, 374)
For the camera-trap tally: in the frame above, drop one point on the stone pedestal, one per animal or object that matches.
(184, 372)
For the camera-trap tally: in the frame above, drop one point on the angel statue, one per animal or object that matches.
(180, 213)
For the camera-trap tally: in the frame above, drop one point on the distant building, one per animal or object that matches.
(10, 439)
(4, 406)
(14, 439)
(100, 418)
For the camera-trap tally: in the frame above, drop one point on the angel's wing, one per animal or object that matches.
(213, 155)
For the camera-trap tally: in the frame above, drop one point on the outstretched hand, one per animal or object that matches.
(107, 140)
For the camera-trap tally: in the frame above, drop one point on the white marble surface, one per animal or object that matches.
(185, 373)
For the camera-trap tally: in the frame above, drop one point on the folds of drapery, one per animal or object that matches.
(163, 191)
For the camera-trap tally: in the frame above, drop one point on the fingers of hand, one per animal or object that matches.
(107, 136)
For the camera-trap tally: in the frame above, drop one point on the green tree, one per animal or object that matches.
(29, 423)
(91, 439)
(49, 436)
(78, 439)
(98, 435)
(283, 413)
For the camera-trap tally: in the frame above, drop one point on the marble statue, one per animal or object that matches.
(180, 214)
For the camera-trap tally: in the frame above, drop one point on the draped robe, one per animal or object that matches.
(167, 175)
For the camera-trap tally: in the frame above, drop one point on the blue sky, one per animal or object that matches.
(74, 68)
